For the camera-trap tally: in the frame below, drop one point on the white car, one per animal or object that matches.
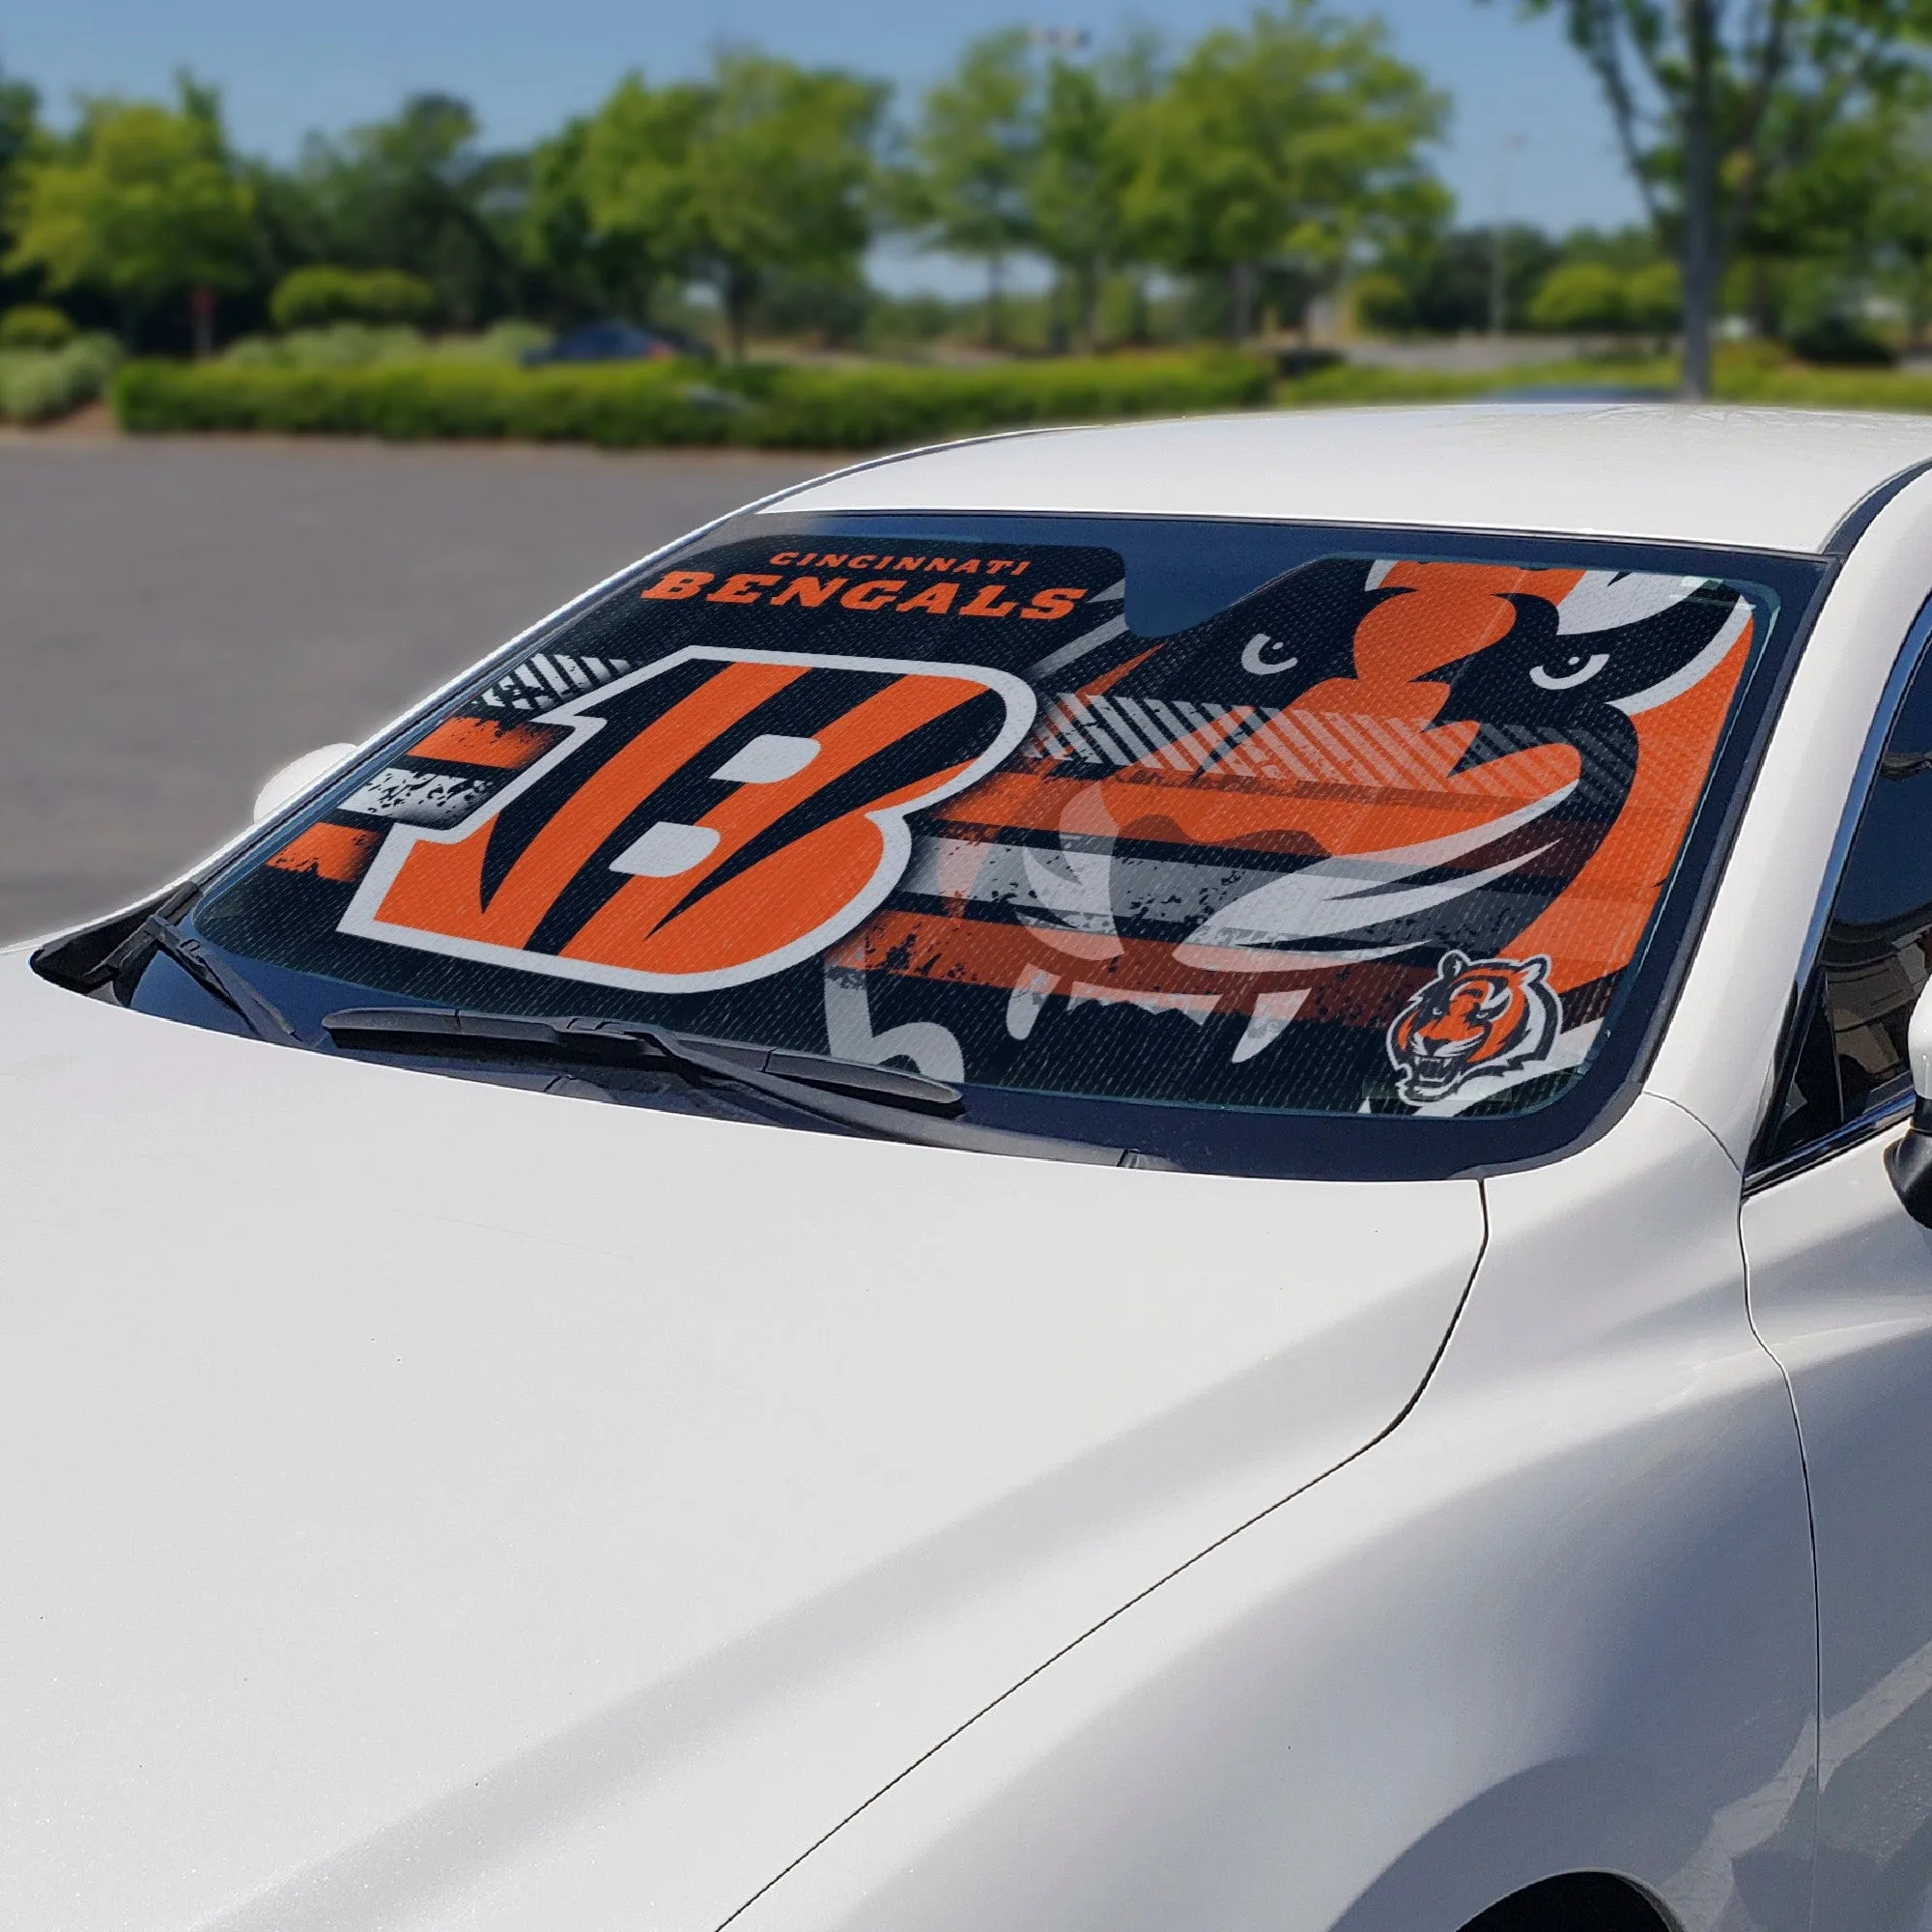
(1121, 1181)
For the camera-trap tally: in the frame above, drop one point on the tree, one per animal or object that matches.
(1293, 140)
(415, 192)
(975, 148)
(763, 170)
(1446, 277)
(1900, 215)
(20, 136)
(587, 269)
(1714, 103)
(613, 198)
(20, 123)
(142, 200)
(1083, 162)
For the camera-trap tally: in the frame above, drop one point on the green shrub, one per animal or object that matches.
(341, 345)
(416, 401)
(501, 342)
(1345, 383)
(631, 404)
(1382, 301)
(1581, 295)
(1837, 340)
(361, 345)
(1653, 298)
(315, 298)
(40, 385)
(35, 326)
(870, 408)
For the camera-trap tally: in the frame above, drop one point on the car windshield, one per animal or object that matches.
(1270, 848)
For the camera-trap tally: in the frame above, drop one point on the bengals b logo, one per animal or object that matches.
(1475, 1016)
(710, 819)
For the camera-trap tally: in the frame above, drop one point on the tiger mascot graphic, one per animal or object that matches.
(1475, 1016)
(1366, 830)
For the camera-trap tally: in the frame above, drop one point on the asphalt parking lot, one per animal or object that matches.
(178, 618)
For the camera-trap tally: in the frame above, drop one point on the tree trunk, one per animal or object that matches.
(1090, 307)
(996, 324)
(201, 310)
(1701, 198)
(1763, 299)
(739, 289)
(1241, 300)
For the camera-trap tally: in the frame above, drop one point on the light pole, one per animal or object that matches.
(1505, 147)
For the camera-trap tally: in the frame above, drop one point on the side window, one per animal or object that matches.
(1849, 1055)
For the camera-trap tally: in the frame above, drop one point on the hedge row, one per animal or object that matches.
(40, 385)
(629, 406)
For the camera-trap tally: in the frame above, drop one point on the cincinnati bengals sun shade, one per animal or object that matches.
(1381, 836)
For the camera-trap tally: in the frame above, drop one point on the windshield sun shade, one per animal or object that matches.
(1377, 839)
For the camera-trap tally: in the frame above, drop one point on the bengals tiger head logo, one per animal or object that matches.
(1475, 1016)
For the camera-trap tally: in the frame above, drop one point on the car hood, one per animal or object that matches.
(430, 1504)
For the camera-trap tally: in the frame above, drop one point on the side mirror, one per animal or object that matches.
(294, 777)
(1910, 1161)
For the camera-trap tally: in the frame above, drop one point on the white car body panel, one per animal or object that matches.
(1841, 1291)
(1769, 479)
(618, 1518)
(1490, 1649)
(443, 1494)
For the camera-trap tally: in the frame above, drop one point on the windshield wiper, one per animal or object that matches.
(214, 977)
(878, 1101)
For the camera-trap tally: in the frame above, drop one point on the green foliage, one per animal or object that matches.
(768, 405)
(1581, 295)
(973, 151)
(356, 345)
(1083, 162)
(1653, 296)
(1382, 300)
(1444, 279)
(1720, 111)
(40, 385)
(1797, 387)
(1297, 138)
(1835, 339)
(35, 326)
(314, 297)
(19, 122)
(20, 138)
(1351, 384)
(1591, 297)
(142, 200)
(415, 192)
(591, 269)
(761, 171)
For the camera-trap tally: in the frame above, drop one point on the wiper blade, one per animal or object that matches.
(619, 1044)
(879, 1100)
(215, 977)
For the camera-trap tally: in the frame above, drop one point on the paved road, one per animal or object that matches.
(178, 618)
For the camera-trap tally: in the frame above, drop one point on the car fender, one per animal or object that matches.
(1560, 1618)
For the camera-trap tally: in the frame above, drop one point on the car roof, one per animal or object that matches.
(1769, 479)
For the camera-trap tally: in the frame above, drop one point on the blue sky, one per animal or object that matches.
(285, 69)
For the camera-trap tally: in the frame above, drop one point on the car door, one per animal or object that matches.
(1840, 1286)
